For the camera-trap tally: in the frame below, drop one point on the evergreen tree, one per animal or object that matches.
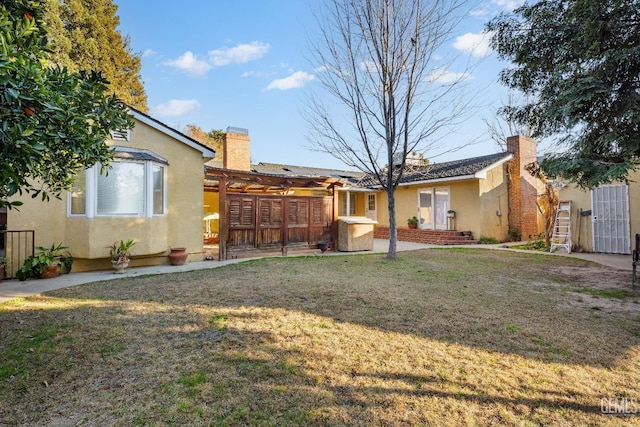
(578, 62)
(53, 122)
(84, 36)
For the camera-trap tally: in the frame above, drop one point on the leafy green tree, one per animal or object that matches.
(53, 122)
(578, 61)
(84, 36)
(213, 139)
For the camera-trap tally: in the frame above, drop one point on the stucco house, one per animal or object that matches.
(463, 200)
(152, 194)
(491, 195)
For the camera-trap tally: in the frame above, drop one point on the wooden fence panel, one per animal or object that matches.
(267, 222)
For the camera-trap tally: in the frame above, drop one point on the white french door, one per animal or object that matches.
(433, 204)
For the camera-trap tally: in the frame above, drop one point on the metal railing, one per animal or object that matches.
(16, 246)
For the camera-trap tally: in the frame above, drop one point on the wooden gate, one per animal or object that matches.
(269, 223)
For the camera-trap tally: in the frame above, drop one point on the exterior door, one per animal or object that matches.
(371, 207)
(433, 204)
(610, 218)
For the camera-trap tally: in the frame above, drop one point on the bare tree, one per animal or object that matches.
(381, 60)
(502, 125)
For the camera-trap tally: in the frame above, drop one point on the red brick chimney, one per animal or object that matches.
(236, 149)
(523, 187)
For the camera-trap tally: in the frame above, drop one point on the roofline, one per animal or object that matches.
(481, 174)
(158, 125)
(434, 181)
(357, 189)
(309, 167)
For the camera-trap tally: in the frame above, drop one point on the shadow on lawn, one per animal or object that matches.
(506, 302)
(127, 362)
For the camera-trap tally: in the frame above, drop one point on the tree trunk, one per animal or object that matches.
(393, 232)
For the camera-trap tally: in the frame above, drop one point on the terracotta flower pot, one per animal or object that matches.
(178, 256)
(50, 271)
(411, 225)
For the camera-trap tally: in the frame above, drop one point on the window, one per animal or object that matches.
(348, 204)
(131, 188)
(371, 200)
(158, 190)
(78, 195)
(122, 191)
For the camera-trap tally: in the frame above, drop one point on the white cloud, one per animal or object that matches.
(190, 64)
(444, 76)
(253, 73)
(175, 107)
(295, 80)
(149, 52)
(369, 66)
(508, 4)
(238, 55)
(476, 44)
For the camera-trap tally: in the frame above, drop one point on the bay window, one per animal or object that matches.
(131, 188)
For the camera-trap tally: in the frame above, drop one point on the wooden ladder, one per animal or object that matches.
(562, 227)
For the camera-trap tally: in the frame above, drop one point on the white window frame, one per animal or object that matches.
(433, 224)
(349, 202)
(91, 196)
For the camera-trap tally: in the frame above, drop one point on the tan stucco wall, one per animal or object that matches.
(494, 194)
(580, 226)
(87, 238)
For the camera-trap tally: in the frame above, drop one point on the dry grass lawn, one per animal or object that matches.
(449, 337)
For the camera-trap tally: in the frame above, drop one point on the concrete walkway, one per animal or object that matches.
(13, 289)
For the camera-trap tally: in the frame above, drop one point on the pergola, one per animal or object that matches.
(257, 212)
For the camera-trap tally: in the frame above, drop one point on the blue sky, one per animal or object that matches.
(220, 63)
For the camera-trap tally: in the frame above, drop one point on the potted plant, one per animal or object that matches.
(46, 263)
(3, 262)
(324, 243)
(178, 256)
(412, 222)
(323, 246)
(451, 213)
(120, 255)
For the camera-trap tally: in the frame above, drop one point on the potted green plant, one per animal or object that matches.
(3, 262)
(412, 222)
(46, 263)
(120, 255)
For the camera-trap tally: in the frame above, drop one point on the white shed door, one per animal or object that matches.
(610, 216)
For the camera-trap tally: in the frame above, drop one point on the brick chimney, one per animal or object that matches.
(236, 152)
(523, 187)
